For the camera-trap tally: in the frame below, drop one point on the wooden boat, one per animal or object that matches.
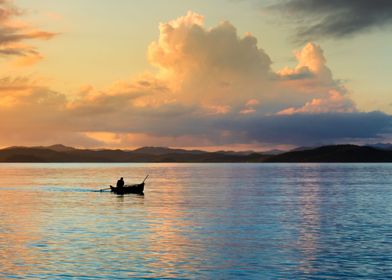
(136, 188)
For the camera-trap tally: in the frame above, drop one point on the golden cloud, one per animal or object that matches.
(213, 87)
(14, 33)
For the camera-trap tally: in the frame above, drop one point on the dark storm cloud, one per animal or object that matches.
(336, 18)
(305, 129)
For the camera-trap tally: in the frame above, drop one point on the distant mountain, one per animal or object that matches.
(59, 148)
(60, 153)
(382, 146)
(56, 147)
(274, 152)
(300, 149)
(233, 153)
(164, 150)
(335, 153)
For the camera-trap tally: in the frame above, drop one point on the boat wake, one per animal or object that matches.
(67, 190)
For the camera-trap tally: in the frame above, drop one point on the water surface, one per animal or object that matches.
(196, 221)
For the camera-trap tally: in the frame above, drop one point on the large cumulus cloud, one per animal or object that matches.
(195, 60)
(212, 87)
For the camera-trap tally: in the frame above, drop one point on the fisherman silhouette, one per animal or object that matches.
(120, 183)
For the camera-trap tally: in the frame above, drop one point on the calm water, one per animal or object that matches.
(196, 221)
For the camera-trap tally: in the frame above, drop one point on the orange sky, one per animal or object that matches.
(201, 86)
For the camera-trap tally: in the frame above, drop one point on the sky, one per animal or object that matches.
(223, 74)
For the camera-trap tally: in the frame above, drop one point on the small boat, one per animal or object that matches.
(136, 188)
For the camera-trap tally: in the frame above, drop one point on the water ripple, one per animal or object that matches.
(196, 221)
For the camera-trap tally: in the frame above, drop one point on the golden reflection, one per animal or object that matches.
(310, 223)
(168, 240)
(19, 230)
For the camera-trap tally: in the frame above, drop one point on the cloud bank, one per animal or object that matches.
(212, 87)
(336, 18)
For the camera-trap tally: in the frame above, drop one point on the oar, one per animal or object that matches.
(104, 189)
(145, 179)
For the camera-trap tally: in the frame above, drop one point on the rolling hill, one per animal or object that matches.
(335, 153)
(61, 153)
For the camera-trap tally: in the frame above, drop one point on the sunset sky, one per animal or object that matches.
(222, 74)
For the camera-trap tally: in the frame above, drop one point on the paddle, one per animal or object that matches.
(145, 178)
(104, 189)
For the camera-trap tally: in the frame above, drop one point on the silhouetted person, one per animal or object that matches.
(120, 183)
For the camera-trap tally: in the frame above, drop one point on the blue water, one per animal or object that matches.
(196, 221)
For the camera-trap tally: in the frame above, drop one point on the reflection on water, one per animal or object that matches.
(199, 221)
(19, 231)
(169, 244)
(309, 210)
